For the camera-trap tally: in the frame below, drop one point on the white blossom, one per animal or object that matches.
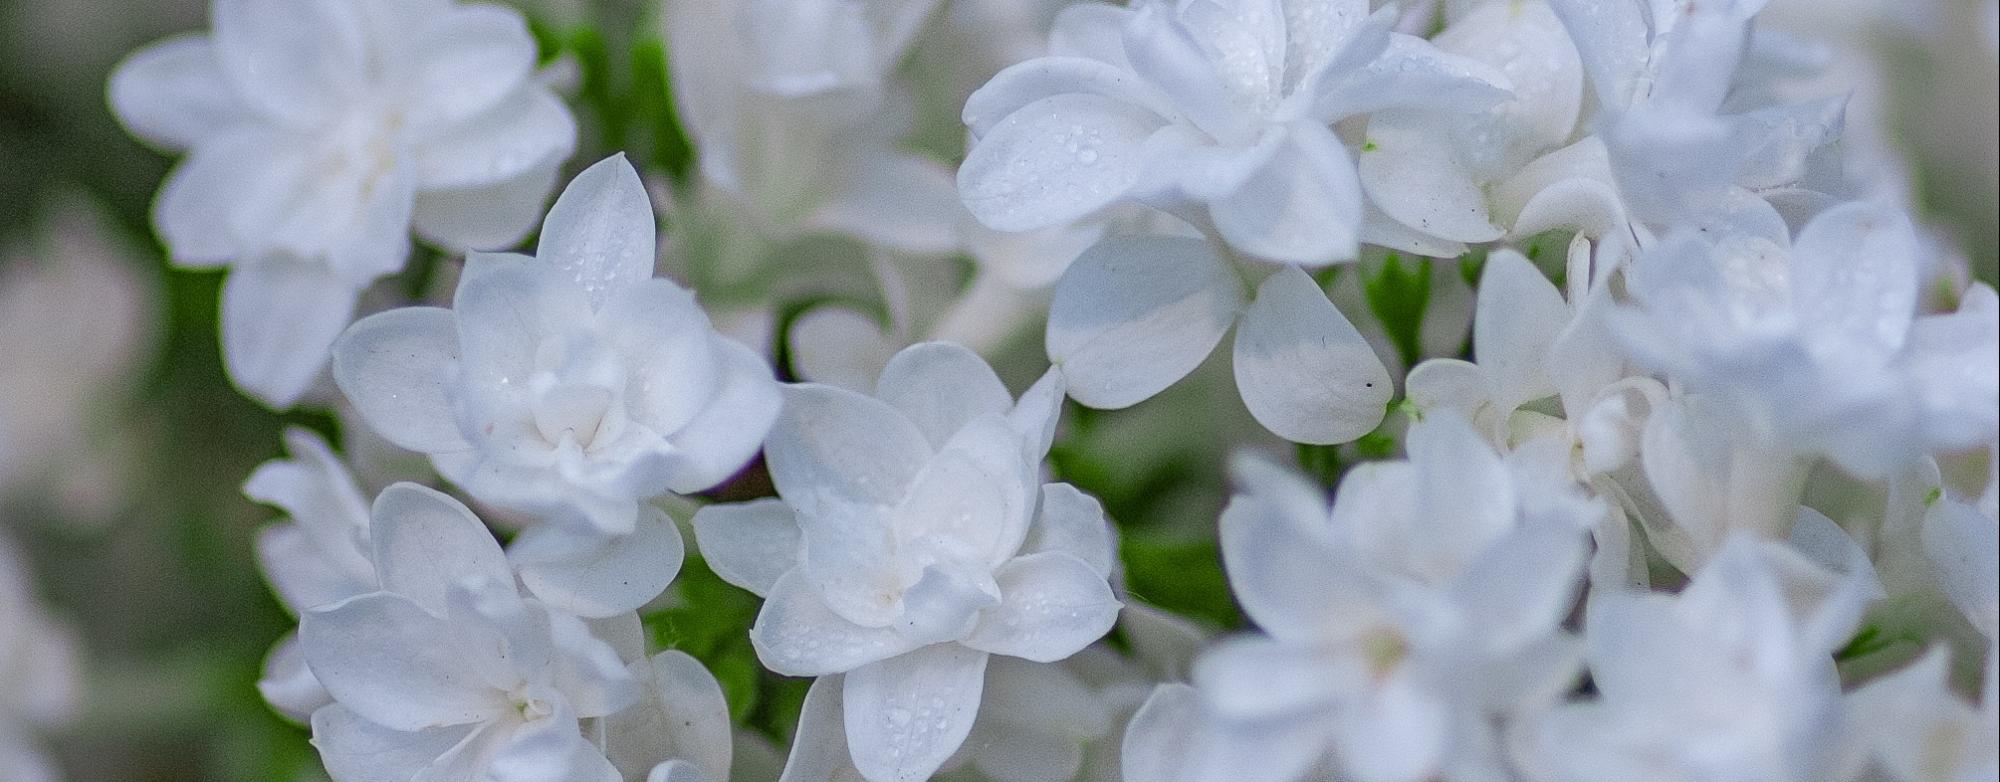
(41, 677)
(1916, 728)
(1732, 678)
(1217, 110)
(1397, 624)
(573, 386)
(902, 552)
(318, 136)
(1819, 346)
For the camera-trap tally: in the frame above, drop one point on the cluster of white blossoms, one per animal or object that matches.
(1679, 450)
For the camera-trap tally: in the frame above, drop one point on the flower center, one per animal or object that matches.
(575, 392)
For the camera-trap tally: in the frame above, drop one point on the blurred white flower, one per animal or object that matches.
(1733, 678)
(318, 136)
(902, 552)
(1820, 346)
(1216, 110)
(1400, 626)
(573, 386)
(41, 681)
(1916, 728)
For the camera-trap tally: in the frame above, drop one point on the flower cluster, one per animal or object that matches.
(1640, 436)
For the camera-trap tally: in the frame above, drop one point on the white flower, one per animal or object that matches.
(1916, 728)
(447, 670)
(794, 116)
(319, 557)
(573, 386)
(41, 681)
(1733, 678)
(1432, 173)
(1963, 543)
(1136, 314)
(1819, 347)
(318, 136)
(901, 552)
(1674, 135)
(1217, 110)
(1398, 625)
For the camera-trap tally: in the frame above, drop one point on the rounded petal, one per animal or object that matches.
(279, 320)
(1413, 174)
(941, 386)
(506, 305)
(287, 684)
(1282, 568)
(1517, 319)
(1258, 677)
(427, 544)
(797, 635)
(682, 720)
(396, 367)
(600, 231)
(749, 544)
(618, 575)
(1135, 314)
(833, 440)
(725, 435)
(1302, 206)
(354, 748)
(530, 130)
(201, 209)
(1304, 371)
(1055, 161)
(1073, 522)
(174, 94)
(387, 659)
(484, 217)
(1853, 273)
(466, 60)
(1022, 84)
(1051, 605)
(819, 749)
(908, 714)
(297, 62)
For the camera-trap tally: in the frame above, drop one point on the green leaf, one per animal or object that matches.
(1184, 577)
(1398, 295)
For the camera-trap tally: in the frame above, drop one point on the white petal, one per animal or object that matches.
(200, 212)
(1073, 522)
(427, 544)
(1303, 205)
(1411, 73)
(395, 664)
(1464, 496)
(600, 231)
(396, 367)
(1051, 605)
(173, 93)
(683, 720)
(1962, 543)
(296, 61)
(304, 574)
(466, 60)
(1522, 587)
(1303, 370)
(1022, 84)
(531, 130)
(797, 635)
(354, 748)
(832, 440)
(1399, 733)
(279, 320)
(1413, 174)
(619, 575)
(1257, 677)
(941, 386)
(1854, 274)
(748, 544)
(906, 715)
(899, 200)
(819, 749)
(1278, 553)
(1516, 321)
(506, 306)
(1135, 314)
(1612, 39)
(485, 217)
(674, 364)
(1055, 161)
(838, 346)
(1039, 410)
(287, 684)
